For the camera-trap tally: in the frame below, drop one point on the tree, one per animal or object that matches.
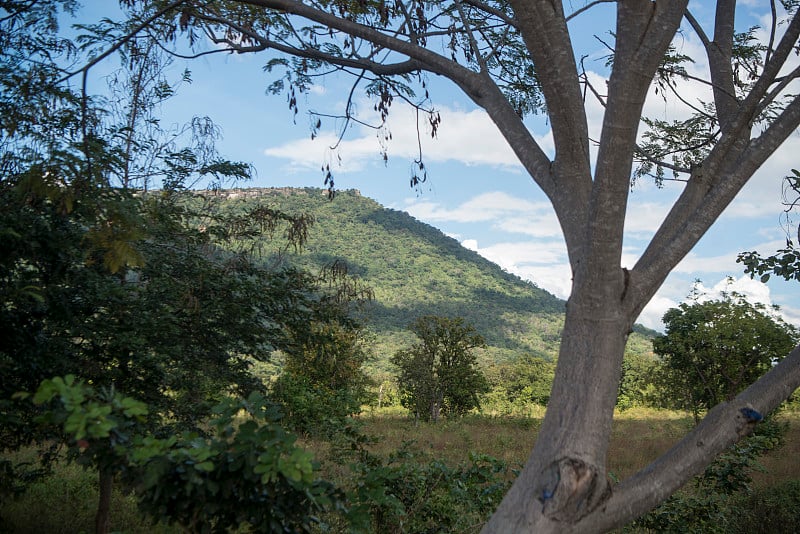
(439, 375)
(515, 58)
(636, 382)
(712, 350)
(323, 380)
(104, 281)
(527, 380)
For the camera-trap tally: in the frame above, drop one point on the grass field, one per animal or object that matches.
(638, 437)
(65, 503)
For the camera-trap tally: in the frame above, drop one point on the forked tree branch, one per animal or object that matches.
(686, 223)
(644, 33)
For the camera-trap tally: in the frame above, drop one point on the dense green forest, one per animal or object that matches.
(414, 269)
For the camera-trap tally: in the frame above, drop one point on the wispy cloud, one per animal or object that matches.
(503, 211)
(467, 137)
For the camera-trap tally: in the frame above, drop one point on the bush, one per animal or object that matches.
(402, 493)
(313, 408)
(712, 505)
(774, 510)
(248, 473)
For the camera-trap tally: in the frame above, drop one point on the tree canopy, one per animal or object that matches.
(439, 373)
(712, 349)
(513, 58)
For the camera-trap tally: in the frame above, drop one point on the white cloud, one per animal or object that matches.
(468, 137)
(655, 310)
(678, 290)
(470, 244)
(506, 212)
(307, 154)
(643, 218)
(752, 290)
(542, 262)
(483, 207)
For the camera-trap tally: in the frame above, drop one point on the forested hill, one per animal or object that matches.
(414, 269)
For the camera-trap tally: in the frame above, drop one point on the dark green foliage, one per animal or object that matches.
(712, 350)
(403, 493)
(636, 386)
(248, 473)
(323, 380)
(314, 408)
(526, 381)
(772, 510)
(785, 263)
(177, 331)
(439, 374)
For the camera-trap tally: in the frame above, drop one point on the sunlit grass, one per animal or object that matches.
(639, 436)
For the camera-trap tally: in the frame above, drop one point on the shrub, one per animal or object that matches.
(773, 510)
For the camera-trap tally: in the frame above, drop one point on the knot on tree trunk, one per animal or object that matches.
(572, 489)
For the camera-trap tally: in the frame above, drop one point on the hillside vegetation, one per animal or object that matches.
(415, 269)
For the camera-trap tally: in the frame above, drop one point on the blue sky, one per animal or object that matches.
(476, 191)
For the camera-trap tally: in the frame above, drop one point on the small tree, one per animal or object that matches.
(712, 350)
(440, 374)
(323, 380)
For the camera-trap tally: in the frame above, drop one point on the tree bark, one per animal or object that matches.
(102, 519)
(564, 478)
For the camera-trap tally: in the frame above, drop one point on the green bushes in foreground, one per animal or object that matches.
(247, 472)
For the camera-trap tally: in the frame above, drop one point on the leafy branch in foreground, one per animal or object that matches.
(248, 472)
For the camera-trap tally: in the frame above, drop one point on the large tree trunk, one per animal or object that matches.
(563, 486)
(564, 478)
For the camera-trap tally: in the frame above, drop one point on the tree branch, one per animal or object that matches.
(644, 33)
(473, 43)
(723, 426)
(381, 69)
(116, 46)
(698, 29)
(721, 176)
(783, 82)
(720, 62)
(772, 28)
(544, 31)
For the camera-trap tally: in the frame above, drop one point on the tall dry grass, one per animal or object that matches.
(639, 436)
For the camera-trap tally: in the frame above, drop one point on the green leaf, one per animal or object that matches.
(206, 466)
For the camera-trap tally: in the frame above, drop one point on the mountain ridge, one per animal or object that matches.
(415, 269)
